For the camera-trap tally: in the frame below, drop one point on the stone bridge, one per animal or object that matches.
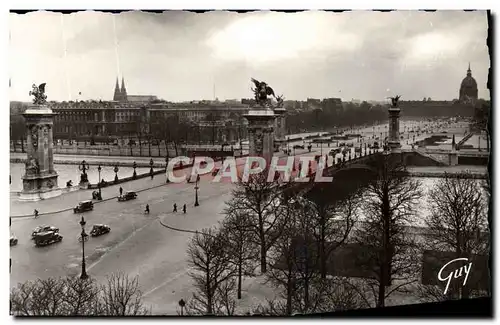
(358, 169)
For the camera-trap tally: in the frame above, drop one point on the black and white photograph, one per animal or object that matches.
(259, 163)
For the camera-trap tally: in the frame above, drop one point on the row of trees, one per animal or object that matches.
(351, 114)
(71, 296)
(336, 248)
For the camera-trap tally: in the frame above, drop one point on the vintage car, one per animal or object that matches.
(47, 238)
(43, 228)
(298, 146)
(13, 240)
(84, 206)
(127, 196)
(99, 229)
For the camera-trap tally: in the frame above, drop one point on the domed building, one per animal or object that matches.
(468, 88)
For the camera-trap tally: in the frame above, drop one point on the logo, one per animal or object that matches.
(456, 273)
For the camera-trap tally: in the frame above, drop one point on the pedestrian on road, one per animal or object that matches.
(121, 191)
(35, 213)
(147, 209)
(184, 209)
(175, 207)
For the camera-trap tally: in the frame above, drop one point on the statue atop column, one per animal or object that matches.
(40, 178)
(39, 94)
(395, 100)
(261, 92)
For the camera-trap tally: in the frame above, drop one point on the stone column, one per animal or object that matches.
(40, 179)
(279, 127)
(261, 133)
(393, 140)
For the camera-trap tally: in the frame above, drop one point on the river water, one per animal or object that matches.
(71, 172)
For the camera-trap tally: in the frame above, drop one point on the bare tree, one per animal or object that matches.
(334, 216)
(241, 250)
(261, 201)
(121, 296)
(458, 219)
(81, 297)
(282, 272)
(210, 263)
(38, 298)
(295, 267)
(390, 205)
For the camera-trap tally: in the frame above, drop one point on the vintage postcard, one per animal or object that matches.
(266, 163)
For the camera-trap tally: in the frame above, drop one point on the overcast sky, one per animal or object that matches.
(180, 56)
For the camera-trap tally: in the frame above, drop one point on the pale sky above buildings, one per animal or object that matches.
(180, 56)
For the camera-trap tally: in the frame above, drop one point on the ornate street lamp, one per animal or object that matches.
(196, 187)
(84, 237)
(134, 166)
(83, 167)
(116, 172)
(99, 181)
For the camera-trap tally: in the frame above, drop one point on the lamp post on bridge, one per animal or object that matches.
(116, 169)
(84, 237)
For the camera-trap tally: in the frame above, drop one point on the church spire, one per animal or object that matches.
(124, 90)
(469, 72)
(117, 94)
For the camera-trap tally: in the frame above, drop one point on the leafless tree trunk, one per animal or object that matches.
(390, 205)
(261, 201)
(121, 296)
(236, 230)
(334, 217)
(210, 263)
(458, 221)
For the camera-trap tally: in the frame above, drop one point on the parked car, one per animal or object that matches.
(13, 240)
(43, 228)
(127, 196)
(99, 229)
(298, 146)
(47, 238)
(84, 206)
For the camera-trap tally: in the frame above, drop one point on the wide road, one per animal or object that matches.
(138, 244)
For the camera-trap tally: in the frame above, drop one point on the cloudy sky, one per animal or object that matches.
(180, 56)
